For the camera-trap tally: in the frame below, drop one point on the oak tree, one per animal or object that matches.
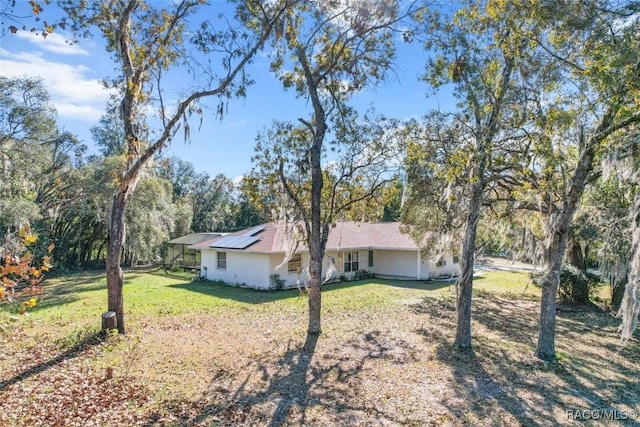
(147, 42)
(475, 51)
(588, 59)
(326, 52)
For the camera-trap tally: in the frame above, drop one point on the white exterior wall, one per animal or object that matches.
(253, 269)
(449, 269)
(398, 263)
(243, 268)
(289, 277)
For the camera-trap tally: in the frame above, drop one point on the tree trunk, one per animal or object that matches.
(315, 298)
(100, 249)
(579, 288)
(617, 291)
(115, 277)
(558, 232)
(630, 306)
(316, 240)
(576, 255)
(465, 284)
(546, 349)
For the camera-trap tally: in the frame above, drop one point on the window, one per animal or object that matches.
(370, 258)
(350, 261)
(294, 264)
(441, 262)
(222, 260)
(456, 259)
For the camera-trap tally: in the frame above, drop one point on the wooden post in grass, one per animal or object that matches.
(109, 321)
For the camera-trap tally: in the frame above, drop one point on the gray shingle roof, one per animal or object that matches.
(344, 236)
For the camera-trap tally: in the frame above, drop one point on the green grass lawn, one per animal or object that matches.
(203, 353)
(78, 300)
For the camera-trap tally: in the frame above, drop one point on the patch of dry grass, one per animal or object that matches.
(385, 358)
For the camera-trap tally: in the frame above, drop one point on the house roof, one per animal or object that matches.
(344, 235)
(194, 238)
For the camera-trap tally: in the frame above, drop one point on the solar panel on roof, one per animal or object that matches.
(235, 242)
(255, 230)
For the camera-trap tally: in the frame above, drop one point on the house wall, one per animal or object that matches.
(243, 268)
(253, 269)
(398, 264)
(447, 270)
(290, 278)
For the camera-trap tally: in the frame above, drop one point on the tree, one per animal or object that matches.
(35, 156)
(603, 217)
(434, 211)
(146, 42)
(325, 51)
(150, 217)
(109, 134)
(79, 227)
(357, 174)
(476, 51)
(392, 210)
(593, 65)
(27, 126)
(249, 212)
(621, 170)
(212, 203)
(630, 305)
(578, 78)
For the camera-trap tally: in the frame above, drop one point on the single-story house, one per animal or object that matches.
(251, 257)
(177, 252)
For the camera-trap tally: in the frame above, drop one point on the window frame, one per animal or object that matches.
(293, 262)
(351, 261)
(370, 260)
(221, 258)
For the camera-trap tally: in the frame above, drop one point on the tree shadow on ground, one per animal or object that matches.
(246, 295)
(291, 388)
(60, 296)
(65, 291)
(500, 374)
(426, 285)
(88, 340)
(223, 290)
(162, 272)
(485, 395)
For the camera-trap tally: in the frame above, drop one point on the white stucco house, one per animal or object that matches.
(250, 257)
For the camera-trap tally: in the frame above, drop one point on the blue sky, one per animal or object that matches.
(72, 74)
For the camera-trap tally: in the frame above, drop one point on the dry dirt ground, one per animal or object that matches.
(388, 363)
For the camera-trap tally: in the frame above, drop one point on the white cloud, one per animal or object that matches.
(55, 43)
(72, 91)
(80, 112)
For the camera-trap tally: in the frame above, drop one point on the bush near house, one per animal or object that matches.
(576, 286)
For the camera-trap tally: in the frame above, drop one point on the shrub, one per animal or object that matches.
(176, 268)
(363, 274)
(275, 282)
(575, 286)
